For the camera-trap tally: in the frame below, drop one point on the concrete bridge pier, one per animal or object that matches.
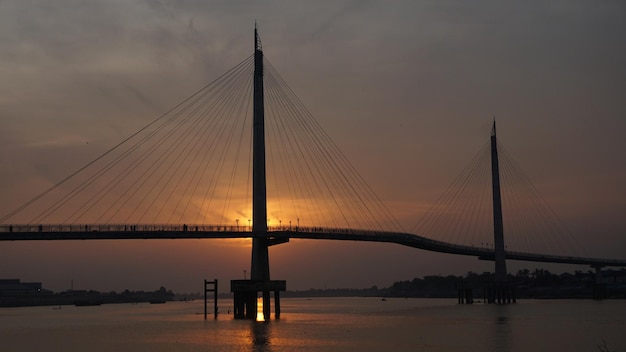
(499, 293)
(465, 293)
(246, 292)
(245, 306)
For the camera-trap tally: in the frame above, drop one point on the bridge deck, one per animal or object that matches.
(142, 231)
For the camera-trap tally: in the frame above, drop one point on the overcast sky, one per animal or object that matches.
(407, 89)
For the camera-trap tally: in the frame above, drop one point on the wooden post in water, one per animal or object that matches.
(215, 301)
(214, 290)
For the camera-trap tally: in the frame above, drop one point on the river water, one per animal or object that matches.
(322, 324)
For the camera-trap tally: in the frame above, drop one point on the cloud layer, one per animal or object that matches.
(407, 90)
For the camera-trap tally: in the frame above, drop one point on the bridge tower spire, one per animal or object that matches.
(245, 291)
(260, 259)
(498, 227)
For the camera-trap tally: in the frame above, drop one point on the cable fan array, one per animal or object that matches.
(464, 213)
(192, 165)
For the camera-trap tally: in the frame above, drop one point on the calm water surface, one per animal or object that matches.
(322, 324)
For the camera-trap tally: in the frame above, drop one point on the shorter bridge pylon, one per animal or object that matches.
(501, 291)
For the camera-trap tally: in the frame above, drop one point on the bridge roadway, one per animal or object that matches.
(278, 234)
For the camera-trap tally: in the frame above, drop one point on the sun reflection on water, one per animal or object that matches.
(259, 310)
(260, 336)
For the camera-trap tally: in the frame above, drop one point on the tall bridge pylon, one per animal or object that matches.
(245, 291)
(501, 289)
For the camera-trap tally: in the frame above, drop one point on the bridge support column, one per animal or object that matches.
(266, 305)
(245, 305)
(245, 294)
(499, 293)
(277, 304)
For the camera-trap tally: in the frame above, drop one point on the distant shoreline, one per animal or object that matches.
(538, 284)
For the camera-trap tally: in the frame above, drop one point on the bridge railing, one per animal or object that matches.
(173, 228)
(326, 230)
(55, 228)
(56, 231)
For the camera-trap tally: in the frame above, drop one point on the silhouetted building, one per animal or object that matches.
(14, 292)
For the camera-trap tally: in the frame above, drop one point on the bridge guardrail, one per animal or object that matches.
(407, 239)
(55, 228)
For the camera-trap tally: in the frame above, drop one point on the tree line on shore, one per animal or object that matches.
(539, 283)
(44, 297)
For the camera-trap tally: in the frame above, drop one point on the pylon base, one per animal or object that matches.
(246, 293)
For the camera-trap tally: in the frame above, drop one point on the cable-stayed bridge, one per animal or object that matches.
(168, 231)
(245, 155)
